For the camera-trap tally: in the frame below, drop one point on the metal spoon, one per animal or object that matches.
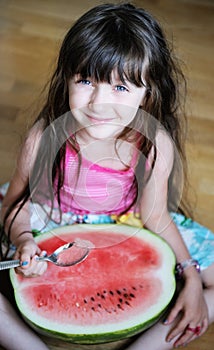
(67, 255)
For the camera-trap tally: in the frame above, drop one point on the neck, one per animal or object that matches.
(106, 152)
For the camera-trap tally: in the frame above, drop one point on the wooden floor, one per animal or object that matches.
(30, 34)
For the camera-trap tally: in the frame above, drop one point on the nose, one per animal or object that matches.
(99, 97)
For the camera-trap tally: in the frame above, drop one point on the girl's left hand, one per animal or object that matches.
(192, 309)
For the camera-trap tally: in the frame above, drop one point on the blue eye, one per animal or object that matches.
(121, 88)
(84, 82)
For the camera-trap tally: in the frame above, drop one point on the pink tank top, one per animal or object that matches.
(97, 189)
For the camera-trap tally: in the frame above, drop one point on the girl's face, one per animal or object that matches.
(103, 109)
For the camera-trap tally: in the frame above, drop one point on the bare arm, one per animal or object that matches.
(155, 216)
(20, 228)
(154, 211)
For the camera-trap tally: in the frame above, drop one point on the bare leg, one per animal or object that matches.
(208, 280)
(154, 338)
(14, 333)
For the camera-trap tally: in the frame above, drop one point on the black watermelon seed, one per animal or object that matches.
(110, 292)
(119, 292)
(102, 296)
(134, 288)
(108, 311)
(132, 295)
(85, 301)
(98, 294)
(125, 295)
(120, 300)
(92, 299)
(127, 303)
(99, 305)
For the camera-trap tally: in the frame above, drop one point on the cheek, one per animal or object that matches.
(75, 102)
(126, 113)
(77, 99)
(136, 100)
(72, 104)
(141, 98)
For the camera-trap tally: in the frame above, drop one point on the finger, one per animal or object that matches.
(38, 267)
(173, 314)
(177, 330)
(28, 265)
(26, 255)
(42, 267)
(43, 253)
(23, 272)
(189, 335)
(184, 339)
(25, 260)
(34, 270)
(204, 326)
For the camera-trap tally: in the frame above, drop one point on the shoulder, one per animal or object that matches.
(34, 134)
(29, 148)
(33, 137)
(165, 149)
(25, 159)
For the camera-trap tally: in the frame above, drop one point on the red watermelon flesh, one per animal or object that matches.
(116, 284)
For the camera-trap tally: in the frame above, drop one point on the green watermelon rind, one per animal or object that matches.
(96, 338)
(90, 339)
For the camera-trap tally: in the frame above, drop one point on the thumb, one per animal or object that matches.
(24, 261)
(25, 257)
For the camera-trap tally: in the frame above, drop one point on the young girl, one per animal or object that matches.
(107, 145)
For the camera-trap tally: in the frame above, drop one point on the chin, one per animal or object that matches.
(103, 131)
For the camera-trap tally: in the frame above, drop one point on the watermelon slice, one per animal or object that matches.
(122, 288)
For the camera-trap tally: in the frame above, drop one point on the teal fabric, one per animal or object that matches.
(198, 239)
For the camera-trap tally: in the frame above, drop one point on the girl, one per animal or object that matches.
(107, 145)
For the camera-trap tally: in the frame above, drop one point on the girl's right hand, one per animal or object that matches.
(26, 252)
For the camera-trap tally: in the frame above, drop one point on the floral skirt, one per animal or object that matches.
(198, 239)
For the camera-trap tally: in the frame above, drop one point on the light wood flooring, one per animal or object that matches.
(30, 34)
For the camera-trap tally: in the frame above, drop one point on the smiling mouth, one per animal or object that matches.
(99, 120)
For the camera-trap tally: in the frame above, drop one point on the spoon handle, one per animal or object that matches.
(9, 264)
(44, 258)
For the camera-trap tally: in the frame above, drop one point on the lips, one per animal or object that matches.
(99, 120)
